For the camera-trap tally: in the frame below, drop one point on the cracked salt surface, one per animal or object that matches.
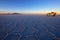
(24, 27)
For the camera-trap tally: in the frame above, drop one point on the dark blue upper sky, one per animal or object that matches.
(29, 5)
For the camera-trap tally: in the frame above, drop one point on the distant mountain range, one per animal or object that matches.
(3, 12)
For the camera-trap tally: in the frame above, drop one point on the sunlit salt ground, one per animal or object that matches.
(29, 27)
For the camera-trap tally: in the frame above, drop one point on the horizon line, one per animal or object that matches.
(27, 12)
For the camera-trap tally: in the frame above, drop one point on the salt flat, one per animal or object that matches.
(29, 27)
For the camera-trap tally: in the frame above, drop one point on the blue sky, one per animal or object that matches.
(30, 6)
